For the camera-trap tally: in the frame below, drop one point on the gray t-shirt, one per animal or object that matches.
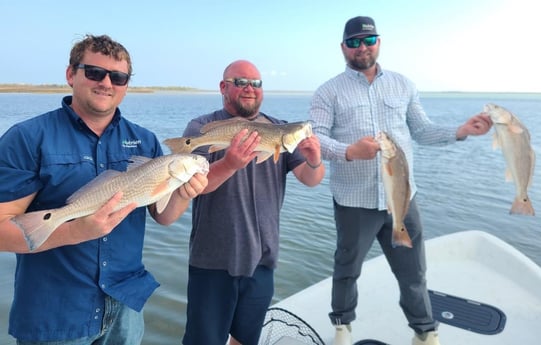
(236, 227)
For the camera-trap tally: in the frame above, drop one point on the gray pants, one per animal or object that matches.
(356, 230)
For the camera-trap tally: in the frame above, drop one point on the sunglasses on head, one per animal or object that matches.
(243, 82)
(98, 74)
(356, 42)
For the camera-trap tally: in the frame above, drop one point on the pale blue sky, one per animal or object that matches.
(460, 45)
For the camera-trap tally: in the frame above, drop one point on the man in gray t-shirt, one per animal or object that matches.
(235, 230)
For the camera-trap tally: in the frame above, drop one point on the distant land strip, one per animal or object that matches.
(55, 88)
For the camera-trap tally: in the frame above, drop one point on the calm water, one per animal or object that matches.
(461, 187)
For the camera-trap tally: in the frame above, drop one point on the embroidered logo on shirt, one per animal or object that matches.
(131, 143)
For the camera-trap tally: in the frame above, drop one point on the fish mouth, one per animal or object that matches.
(489, 107)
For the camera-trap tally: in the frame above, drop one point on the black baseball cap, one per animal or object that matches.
(360, 26)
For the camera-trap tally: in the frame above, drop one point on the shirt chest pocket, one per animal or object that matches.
(352, 120)
(395, 108)
(74, 170)
(61, 169)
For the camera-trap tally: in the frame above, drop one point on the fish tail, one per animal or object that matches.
(522, 206)
(179, 145)
(401, 237)
(36, 227)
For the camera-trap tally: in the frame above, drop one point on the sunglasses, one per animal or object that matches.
(356, 42)
(98, 74)
(243, 82)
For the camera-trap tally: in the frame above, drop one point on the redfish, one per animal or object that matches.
(145, 182)
(275, 138)
(395, 174)
(513, 138)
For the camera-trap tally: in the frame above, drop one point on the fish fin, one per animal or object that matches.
(262, 119)
(389, 169)
(276, 153)
(136, 161)
(514, 128)
(522, 206)
(162, 186)
(179, 145)
(98, 180)
(262, 156)
(215, 124)
(36, 227)
(401, 237)
(162, 203)
(214, 148)
(496, 141)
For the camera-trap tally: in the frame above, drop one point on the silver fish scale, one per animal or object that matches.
(137, 184)
(286, 135)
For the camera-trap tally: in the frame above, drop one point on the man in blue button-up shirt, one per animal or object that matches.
(86, 284)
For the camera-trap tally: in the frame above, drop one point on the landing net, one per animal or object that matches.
(284, 327)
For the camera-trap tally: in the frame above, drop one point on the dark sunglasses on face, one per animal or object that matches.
(98, 74)
(243, 82)
(356, 42)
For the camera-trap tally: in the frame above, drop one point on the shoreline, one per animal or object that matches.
(56, 88)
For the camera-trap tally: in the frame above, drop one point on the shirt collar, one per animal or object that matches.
(75, 119)
(359, 75)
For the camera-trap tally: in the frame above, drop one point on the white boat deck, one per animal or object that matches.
(470, 264)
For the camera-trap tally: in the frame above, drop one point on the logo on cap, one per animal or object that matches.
(367, 27)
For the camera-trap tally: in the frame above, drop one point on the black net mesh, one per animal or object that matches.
(283, 327)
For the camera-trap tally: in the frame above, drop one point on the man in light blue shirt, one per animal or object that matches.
(348, 111)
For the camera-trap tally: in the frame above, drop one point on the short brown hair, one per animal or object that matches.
(99, 44)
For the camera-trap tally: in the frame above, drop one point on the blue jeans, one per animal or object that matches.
(121, 326)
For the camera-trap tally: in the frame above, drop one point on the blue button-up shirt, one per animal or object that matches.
(349, 107)
(60, 293)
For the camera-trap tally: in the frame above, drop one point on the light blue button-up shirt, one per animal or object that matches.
(347, 108)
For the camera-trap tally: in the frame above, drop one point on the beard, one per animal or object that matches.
(247, 111)
(362, 62)
(244, 110)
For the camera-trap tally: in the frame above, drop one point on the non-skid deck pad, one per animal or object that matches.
(466, 314)
(370, 342)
